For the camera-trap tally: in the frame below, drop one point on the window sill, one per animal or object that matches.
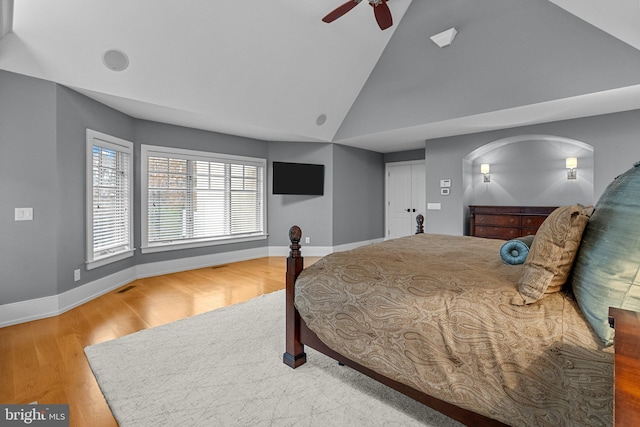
(109, 259)
(172, 246)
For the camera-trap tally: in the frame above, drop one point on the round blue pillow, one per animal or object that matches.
(515, 251)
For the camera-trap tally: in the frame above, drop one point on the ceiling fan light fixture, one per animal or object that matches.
(444, 38)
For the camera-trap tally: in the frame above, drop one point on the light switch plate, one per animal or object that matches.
(434, 206)
(24, 214)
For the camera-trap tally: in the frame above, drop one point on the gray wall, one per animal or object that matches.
(352, 207)
(538, 162)
(614, 138)
(75, 113)
(358, 195)
(28, 178)
(313, 214)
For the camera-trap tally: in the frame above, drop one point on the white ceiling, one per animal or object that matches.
(268, 69)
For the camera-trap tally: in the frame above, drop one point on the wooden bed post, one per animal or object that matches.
(420, 224)
(294, 355)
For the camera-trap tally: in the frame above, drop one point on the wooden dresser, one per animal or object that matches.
(507, 222)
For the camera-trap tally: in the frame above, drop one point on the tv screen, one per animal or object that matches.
(298, 178)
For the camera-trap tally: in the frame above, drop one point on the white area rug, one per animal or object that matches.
(224, 368)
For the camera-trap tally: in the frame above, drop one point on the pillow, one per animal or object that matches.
(515, 251)
(552, 253)
(607, 269)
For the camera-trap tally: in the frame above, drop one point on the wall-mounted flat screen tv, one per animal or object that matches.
(298, 178)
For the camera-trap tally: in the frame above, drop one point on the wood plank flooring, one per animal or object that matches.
(44, 360)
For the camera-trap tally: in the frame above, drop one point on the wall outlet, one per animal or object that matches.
(24, 214)
(76, 275)
(307, 239)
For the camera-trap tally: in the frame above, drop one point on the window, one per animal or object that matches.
(109, 199)
(193, 198)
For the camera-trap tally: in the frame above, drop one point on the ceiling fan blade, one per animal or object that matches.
(383, 15)
(340, 10)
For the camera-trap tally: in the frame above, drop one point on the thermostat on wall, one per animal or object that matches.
(445, 183)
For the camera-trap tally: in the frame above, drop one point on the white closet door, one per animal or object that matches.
(405, 198)
(418, 191)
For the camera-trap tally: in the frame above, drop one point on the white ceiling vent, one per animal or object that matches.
(445, 38)
(115, 60)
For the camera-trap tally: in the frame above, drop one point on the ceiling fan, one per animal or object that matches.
(380, 10)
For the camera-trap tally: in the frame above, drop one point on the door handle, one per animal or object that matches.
(408, 210)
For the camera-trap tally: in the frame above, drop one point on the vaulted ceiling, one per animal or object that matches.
(274, 71)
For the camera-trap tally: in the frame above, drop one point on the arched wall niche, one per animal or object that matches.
(528, 170)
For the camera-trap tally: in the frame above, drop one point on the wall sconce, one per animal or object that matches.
(572, 166)
(484, 170)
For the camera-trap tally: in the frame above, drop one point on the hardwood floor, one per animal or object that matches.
(44, 360)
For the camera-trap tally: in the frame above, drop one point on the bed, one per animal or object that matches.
(445, 320)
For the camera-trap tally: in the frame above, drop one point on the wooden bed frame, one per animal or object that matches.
(627, 365)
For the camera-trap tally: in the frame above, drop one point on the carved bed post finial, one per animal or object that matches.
(295, 234)
(420, 226)
(294, 355)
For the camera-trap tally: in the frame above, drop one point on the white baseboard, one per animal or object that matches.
(41, 308)
(306, 250)
(26, 311)
(349, 246)
(92, 290)
(184, 264)
(320, 250)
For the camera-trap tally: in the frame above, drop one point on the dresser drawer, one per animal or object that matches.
(501, 210)
(501, 220)
(506, 233)
(529, 231)
(506, 222)
(532, 221)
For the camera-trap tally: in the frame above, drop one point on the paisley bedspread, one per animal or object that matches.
(433, 312)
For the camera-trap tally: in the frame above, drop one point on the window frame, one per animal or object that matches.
(94, 138)
(194, 155)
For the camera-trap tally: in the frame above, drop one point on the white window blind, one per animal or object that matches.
(195, 197)
(109, 199)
